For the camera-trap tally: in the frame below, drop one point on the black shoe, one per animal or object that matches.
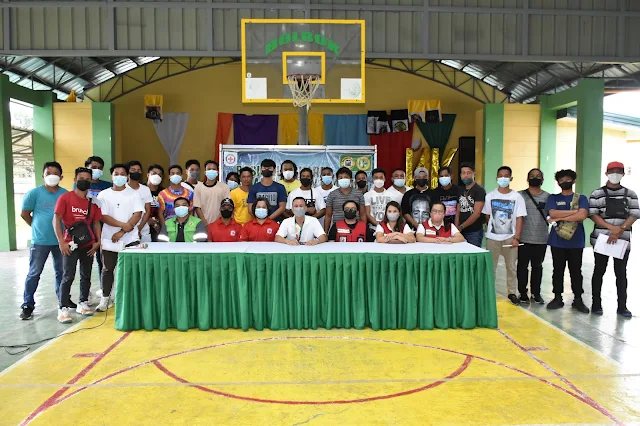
(624, 312)
(524, 299)
(579, 306)
(556, 303)
(538, 299)
(514, 299)
(596, 309)
(26, 313)
(70, 304)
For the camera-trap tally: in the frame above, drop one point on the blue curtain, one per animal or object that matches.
(346, 130)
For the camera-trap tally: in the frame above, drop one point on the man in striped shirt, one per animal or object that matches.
(613, 208)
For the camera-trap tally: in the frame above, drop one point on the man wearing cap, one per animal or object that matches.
(225, 229)
(613, 208)
(416, 203)
(183, 227)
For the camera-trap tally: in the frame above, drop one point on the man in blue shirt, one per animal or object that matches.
(37, 210)
(272, 191)
(567, 211)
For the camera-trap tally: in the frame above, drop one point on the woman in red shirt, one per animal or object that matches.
(435, 230)
(393, 229)
(261, 228)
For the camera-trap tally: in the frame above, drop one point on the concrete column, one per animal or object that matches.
(7, 203)
(548, 133)
(103, 132)
(493, 143)
(43, 134)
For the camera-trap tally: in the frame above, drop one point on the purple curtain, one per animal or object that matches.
(255, 129)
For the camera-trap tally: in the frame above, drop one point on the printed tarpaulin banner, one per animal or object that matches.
(235, 157)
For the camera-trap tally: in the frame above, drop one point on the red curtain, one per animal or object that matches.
(392, 149)
(225, 120)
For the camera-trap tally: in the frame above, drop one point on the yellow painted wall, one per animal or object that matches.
(521, 149)
(72, 136)
(479, 148)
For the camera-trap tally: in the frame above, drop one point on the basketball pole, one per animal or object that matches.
(303, 125)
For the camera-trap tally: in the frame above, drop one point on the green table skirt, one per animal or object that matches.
(302, 291)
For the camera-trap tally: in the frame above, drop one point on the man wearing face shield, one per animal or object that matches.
(613, 208)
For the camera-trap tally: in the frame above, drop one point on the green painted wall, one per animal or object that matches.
(43, 134)
(548, 133)
(7, 203)
(103, 131)
(493, 142)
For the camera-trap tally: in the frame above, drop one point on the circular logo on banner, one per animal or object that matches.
(230, 159)
(363, 163)
(347, 162)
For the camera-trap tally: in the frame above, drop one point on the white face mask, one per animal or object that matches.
(51, 180)
(288, 174)
(615, 178)
(378, 183)
(155, 180)
(393, 216)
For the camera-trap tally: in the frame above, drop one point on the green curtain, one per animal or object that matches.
(437, 134)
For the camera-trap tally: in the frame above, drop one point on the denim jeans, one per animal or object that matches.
(38, 255)
(474, 237)
(70, 264)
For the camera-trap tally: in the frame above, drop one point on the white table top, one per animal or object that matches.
(253, 247)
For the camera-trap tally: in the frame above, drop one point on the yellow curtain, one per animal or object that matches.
(419, 107)
(288, 129)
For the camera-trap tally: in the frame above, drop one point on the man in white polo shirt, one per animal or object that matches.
(300, 229)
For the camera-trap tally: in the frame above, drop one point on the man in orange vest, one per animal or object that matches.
(350, 230)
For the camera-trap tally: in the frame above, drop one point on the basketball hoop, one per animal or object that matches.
(303, 87)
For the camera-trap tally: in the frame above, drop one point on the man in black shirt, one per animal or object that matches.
(469, 218)
(416, 203)
(448, 194)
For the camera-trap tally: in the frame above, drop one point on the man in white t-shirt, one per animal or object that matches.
(135, 175)
(326, 187)
(122, 210)
(396, 191)
(376, 199)
(300, 229)
(315, 201)
(505, 208)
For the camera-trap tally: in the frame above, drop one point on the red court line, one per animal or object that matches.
(53, 399)
(87, 355)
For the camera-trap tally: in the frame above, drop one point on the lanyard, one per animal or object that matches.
(298, 235)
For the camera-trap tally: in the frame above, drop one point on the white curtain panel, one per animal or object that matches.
(171, 132)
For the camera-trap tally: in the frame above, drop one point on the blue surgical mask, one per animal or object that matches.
(182, 211)
(399, 182)
(327, 180)
(344, 183)
(96, 174)
(211, 174)
(232, 184)
(445, 180)
(175, 179)
(261, 213)
(503, 182)
(119, 180)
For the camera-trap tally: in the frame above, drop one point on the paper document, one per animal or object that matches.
(617, 250)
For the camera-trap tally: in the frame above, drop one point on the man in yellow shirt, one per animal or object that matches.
(242, 213)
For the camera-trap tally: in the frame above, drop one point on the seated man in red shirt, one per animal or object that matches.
(261, 227)
(224, 229)
(80, 240)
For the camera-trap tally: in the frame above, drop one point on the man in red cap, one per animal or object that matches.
(613, 208)
(224, 229)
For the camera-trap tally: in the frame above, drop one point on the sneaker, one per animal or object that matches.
(26, 313)
(624, 312)
(103, 305)
(538, 299)
(596, 309)
(63, 316)
(556, 303)
(514, 299)
(84, 309)
(99, 293)
(112, 301)
(524, 299)
(579, 306)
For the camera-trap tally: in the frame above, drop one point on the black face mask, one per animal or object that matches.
(566, 185)
(361, 183)
(267, 173)
(421, 182)
(83, 185)
(135, 176)
(535, 182)
(350, 214)
(226, 214)
(305, 182)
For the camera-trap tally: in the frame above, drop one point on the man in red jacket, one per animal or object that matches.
(350, 230)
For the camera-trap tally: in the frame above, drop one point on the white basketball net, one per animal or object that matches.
(303, 87)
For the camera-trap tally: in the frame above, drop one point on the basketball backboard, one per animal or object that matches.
(272, 49)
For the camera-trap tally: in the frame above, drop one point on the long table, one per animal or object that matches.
(276, 286)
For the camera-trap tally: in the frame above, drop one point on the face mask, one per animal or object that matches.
(155, 180)
(503, 182)
(361, 183)
(378, 183)
(175, 179)
(226, 213)
(232, 184)
(305, 182)
(135, 176)
(344, 183)
(83, 185)
(566, 185)
(51, 180)
(288, 174)
(182, 211)
(299, 211)
(267, 173)
(261, 213)
(119, 180)
(421, 182)
(327, 180)
(399, 182)
(210, 174)
(96, 174)
(467, 181)
(445, 180)
(195, 175)
(349, 214)
(393, 216)
(535, 182)
(615, 178)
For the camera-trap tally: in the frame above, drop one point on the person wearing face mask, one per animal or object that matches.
(325, 188)
(240, 197)
(416, 203)
(469, 219)
(301, 229)
(334, 212)
(315, 201)
(183, 227)
(272, 191)
(376, 200)
(192, 169)
(393, 229)
(224, 229)
(288, 174)
(167, 196)
(613, 208)
(81, 219)
(361, 181)
(208, 195)
(155, 172)
(505, 209)
(436, 230)
(233, 180)
(135, 176)
(398, 189)
(260, 228)
(122, 208)
(535, 232)
(350, 229)
(38, 208)
(96, 165)
(567, 211)
(448, 194)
